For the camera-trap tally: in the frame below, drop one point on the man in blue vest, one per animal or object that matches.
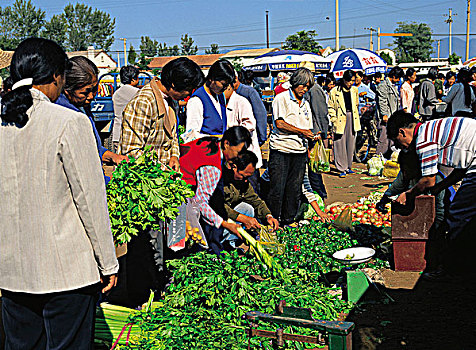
(206, 110)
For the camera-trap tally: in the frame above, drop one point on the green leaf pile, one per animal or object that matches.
(140, 195)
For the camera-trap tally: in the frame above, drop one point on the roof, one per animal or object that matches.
(248, 52)
(86, 54)
(204, 61)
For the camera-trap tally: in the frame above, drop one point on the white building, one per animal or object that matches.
(101, 59)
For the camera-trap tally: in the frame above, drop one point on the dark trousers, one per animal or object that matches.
(49, 321)
(141, 270)
(462, 225)
(214, 237)
(317, 183)
(383, 143)
(286, 171)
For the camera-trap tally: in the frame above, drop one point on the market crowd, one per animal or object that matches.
(58, 251)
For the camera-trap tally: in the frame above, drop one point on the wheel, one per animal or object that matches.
(361, 149)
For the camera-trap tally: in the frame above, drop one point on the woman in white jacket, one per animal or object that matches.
(56, 239)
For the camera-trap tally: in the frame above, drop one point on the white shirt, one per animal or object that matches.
(120, 99)
(240, 112)
(287, 107)
(195, 112)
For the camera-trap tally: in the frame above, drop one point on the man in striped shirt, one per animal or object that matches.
(450, 142)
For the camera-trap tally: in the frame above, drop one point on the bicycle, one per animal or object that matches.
(366, 138)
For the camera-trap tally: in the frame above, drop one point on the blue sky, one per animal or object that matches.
(231, 23)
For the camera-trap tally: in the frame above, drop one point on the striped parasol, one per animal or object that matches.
(5, 58)
(470, 63)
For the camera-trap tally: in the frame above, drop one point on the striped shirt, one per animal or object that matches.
(207, 180)
(450, 142)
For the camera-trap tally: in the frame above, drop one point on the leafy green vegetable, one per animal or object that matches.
(140, 195)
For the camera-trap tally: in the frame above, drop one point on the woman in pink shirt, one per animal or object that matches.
(406, 92)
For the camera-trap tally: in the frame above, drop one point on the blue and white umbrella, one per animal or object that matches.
(285, 60)
(356, 59)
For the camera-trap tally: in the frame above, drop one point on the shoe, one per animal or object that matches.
(439, 275)
(350, 171)
(342, 175)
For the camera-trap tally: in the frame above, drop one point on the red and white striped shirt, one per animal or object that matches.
(447, 141)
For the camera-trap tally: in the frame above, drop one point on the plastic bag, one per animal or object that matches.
(375, 165)
(391, 169)
(186, 226)
(344, 220)
(319, 158)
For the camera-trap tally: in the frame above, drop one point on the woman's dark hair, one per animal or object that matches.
(450, 75)
(464, 77)
(441, 76)
(347, 76)
(396, 72)
(182, 74)
(7, 84)
(399, 120)
(472, 70)
(246, 76)
(128, 74)
(244, 159)
(222, 70)
(38, 59)
(321, 80)
(360, 73)
(377, 75)
(82, 72)
(432, 73)
(236, 135)
(409, 73)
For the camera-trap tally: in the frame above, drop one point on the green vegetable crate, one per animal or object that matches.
(338, 333)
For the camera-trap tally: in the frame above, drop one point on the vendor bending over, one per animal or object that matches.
(450, 142)
(242, 204)
(202, 162)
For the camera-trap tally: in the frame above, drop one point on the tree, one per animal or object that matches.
(56, 29)
(18, 22)
(454, 59)
(143, 63)
(88, 27)
(213, 49)
(303, 40)
(187, 46)
(164, 50)
(387, 58)
(416, 48)
(148, 47)
(132, 56)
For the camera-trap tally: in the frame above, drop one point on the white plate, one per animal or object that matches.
(359, 255)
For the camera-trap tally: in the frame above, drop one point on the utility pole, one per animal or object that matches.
(118, 60)
(267, 29)
(371, 41)
(468, 13)
(438, 43)
(378, 39)
(450, 22)
(125, 51)
(337, 26)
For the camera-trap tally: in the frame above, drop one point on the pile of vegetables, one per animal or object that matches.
(364, 213)
(203, 307)
(310, 247)
(140, 195)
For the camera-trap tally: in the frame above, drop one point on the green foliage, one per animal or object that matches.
(164, 50)
(56, 29)
(140, 195)
(148, 47)
(213, 49)
(387, 58)
(88, 27)
(132, 56)
(187, 46)
(143, 63)
(18, 22)
(454, 59)
(303, 40)
(416, 48)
